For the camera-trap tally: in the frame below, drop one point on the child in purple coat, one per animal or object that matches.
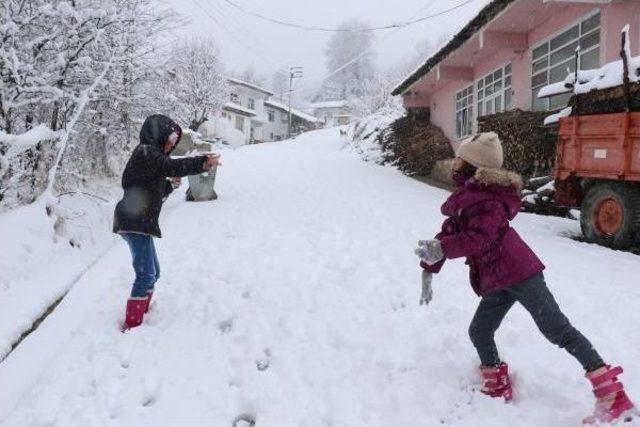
(503, 270)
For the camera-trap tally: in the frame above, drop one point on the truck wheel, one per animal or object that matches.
(611, 214)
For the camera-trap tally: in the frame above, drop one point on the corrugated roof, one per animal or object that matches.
(483, 17)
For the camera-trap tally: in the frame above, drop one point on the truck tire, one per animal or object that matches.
(611, 214)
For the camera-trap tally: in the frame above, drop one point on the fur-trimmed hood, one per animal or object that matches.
(501, 177)
(486, 185)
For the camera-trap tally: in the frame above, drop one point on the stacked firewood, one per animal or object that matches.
(529, 147)
(414, 145)
(538, 197)
(604, 101)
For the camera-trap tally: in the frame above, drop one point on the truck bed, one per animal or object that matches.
(603, 146)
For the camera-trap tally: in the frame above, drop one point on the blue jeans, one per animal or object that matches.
(145, 263)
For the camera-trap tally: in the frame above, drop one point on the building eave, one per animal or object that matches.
(486, 15)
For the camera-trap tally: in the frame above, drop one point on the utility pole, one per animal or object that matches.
(294, 73)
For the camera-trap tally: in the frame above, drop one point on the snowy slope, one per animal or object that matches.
(293, 299)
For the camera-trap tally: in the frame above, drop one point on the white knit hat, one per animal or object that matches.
(483, 150)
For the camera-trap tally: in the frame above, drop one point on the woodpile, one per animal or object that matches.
(529, 147)
(604, 101)
(538, 197)
(414, 145)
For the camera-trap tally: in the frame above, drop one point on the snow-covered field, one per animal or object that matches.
(293, 300)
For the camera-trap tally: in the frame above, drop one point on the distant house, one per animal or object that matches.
(509, 51)
(278, 120)
(332, 113)
(252, 111)
(245, 109)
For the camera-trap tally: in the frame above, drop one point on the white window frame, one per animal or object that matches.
(271, 114)
(503, 76)
(546, 102)
(251, 103)
(464, 102)
(239, 123)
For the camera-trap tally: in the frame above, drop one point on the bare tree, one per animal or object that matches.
(193, 85)
(343, 47)
(250, 75)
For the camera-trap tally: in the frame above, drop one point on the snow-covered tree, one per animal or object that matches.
(343, 46)
(76, 66)
(194, 84)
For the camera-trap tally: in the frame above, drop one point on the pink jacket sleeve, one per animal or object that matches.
(486, 220)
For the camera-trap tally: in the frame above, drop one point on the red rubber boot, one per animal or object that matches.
(612, 403)
(135, 312)
(496, 382)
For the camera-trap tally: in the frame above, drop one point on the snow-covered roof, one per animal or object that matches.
(329, 104)
(237, 108)
(233, 80)
(295, 112)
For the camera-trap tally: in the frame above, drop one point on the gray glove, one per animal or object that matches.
(429, 251)
(427, 291)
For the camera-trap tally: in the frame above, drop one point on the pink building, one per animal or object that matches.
(511, 49)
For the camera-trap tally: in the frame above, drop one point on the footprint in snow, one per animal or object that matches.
(225, 326)
(244, 420)
(263, 363)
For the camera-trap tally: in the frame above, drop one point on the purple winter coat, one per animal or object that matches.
(478, 228)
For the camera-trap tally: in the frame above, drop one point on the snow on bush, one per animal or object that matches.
(24, 165)
(365, 135)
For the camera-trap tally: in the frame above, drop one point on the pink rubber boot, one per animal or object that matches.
(496, 382)
(612, 402)
(135, 313)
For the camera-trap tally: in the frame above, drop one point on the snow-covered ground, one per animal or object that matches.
(293, 299)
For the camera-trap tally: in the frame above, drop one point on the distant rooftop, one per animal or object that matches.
(329, 104)
(233, 80)
(294, 111)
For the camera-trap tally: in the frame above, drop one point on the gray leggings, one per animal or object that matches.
(536, 298)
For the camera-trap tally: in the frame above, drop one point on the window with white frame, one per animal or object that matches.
(464, 112)
(252, 103)
(493, 92)
(240, 123)
(272, 116)
(552, 60)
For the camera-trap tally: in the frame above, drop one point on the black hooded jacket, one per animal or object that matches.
(145, 180)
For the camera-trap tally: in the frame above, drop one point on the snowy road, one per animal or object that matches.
(293, 299)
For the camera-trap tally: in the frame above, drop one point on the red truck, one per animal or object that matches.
(598, 169)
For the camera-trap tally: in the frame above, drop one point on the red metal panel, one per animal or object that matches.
(599, 146)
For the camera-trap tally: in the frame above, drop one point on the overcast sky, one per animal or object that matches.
(246, 40)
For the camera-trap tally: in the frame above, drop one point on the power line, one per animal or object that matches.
(370, 48)
(235, 37)
(411, 21)
(233, 21)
